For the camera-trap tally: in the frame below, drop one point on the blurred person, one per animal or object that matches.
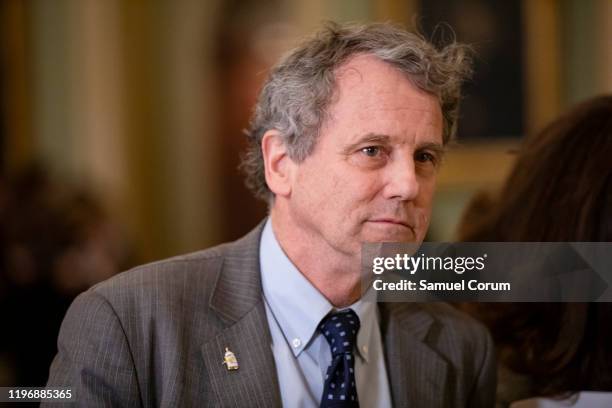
(55, 242)
(560, 190)
(345, 144)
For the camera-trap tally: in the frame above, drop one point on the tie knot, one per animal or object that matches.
(340, 329)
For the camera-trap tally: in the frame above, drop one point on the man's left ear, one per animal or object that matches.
(277, 163)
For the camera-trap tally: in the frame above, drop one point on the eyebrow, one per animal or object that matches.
(437, 148)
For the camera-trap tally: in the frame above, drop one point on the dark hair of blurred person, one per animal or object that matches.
(55, 241)
(560, 189)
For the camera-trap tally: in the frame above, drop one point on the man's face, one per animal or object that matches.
(371, 176)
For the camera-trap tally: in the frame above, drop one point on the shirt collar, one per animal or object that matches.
(298, 306)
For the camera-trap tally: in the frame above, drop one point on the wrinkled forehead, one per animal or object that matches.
(365, 75)
(370, 89)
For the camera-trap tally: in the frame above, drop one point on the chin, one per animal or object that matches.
(391, 237)
(389, 233)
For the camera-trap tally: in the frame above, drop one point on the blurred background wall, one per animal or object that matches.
(140, 105)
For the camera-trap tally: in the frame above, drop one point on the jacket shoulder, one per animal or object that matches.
(192, 263)
(194, 271)
(198, 269)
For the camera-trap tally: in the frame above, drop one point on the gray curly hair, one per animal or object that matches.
(299, 89)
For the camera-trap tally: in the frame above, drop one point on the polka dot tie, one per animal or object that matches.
(340, 329)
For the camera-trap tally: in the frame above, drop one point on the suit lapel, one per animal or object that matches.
(254, 383)
(237, 300)
(417, 374)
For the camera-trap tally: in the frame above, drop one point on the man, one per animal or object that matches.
(346, 140)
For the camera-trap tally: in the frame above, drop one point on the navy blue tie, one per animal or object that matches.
(340, 329)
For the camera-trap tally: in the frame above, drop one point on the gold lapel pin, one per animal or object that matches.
(230, 361)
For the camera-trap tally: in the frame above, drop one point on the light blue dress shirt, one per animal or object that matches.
(294, 309)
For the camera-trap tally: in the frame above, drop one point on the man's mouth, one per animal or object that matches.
(391, 221)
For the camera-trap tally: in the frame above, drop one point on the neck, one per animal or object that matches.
(335, 275)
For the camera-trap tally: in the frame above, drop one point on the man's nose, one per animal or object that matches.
(402, 182)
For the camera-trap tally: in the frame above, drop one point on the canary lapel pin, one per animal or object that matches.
(230, 361)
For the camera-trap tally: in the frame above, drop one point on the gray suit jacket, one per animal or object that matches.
(156, 335)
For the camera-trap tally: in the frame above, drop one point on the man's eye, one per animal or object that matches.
(371, 151)
(425, 157)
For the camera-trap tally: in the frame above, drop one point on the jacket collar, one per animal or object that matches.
(238, 287)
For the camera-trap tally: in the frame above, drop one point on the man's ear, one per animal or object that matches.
(277, 163)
